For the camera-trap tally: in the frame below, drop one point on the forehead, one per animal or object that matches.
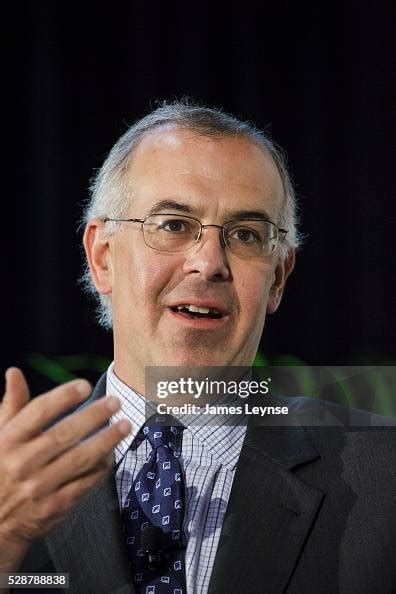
(230, 173)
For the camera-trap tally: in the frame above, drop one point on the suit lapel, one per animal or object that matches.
(89, 544)
(269, 515)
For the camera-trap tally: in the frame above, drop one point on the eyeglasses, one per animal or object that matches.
(178, 233)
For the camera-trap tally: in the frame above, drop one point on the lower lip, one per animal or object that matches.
(199, 323)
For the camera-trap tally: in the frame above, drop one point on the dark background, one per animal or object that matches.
(318, 75)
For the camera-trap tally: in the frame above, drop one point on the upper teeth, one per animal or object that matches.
(195, 309)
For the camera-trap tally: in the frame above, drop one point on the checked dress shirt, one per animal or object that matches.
(208, 461)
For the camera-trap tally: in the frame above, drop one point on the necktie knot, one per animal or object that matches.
(161, 435)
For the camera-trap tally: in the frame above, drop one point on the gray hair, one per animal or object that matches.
(111, 189)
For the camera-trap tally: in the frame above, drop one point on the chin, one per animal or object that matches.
(198, 358)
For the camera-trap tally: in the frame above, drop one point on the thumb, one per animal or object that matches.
(16, 395)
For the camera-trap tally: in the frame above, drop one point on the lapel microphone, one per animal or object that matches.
(152, 542)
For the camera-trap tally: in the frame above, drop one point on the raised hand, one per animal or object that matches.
(44, 472)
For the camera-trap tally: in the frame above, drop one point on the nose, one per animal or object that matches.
(208, 257)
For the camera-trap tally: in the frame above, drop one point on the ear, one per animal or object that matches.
(97, 248)
(282, 271)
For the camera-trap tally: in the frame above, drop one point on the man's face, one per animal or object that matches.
(211, 180)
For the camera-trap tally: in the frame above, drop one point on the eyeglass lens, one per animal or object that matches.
(176, 233)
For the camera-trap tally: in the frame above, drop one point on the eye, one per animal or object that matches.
(176, 226)
(245, 235)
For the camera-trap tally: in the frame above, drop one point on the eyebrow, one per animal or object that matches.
(250, 214)
(230, 216)
(169, 204)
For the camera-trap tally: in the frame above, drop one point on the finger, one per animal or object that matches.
(66, 434)
(44, 409)
(16, 395)
(84, 458)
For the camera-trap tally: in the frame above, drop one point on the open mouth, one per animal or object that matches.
(193, 312)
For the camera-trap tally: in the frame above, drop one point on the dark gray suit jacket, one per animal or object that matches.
(312, 510)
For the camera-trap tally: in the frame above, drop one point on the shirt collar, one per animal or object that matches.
(223, 441)
(133, 408)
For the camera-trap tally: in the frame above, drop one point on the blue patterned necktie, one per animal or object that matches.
(156, 499)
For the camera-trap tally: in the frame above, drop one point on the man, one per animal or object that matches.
(190, 237)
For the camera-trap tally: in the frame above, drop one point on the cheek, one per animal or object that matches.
(151, 279)
(150, 275)
(253, 294)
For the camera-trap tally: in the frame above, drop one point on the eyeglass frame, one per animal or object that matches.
(282, 232)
